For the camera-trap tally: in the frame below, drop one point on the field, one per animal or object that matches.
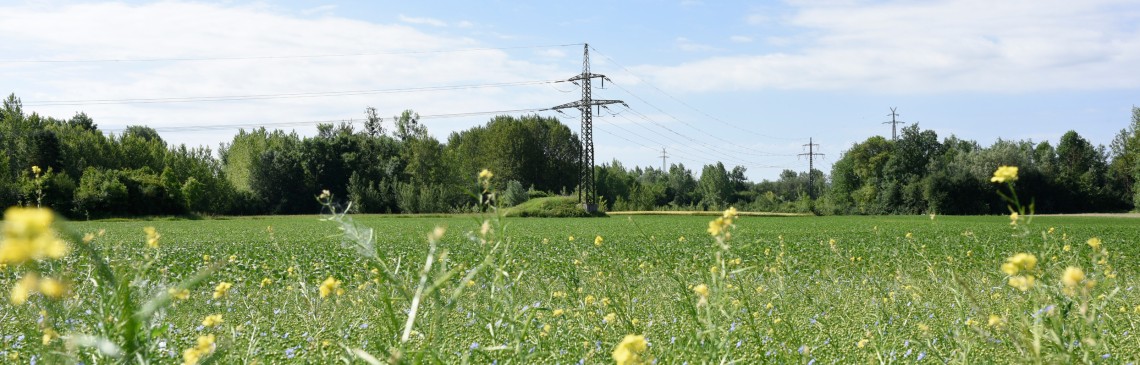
(547, 290)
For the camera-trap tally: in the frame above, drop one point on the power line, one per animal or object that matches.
(679, 101)
(703, 131)
(196, 128)
(277, 57)
(192, 99)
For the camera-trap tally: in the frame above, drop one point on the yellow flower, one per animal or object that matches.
(598, 241)
(23, 289)
(1072, 277)
(862, 343)
(716, 226)
(212, 320)
(730, 213)
(702, 290)
(151, 237)
(266, 282)
(36, 170)
(205, 345)
(180, 294)
(995, 320)
(628, 352)
(1022, 283)
(590, 300)
(558, 312)
(28, 236)
(329, 286)
(1094, 243)
(909, 235)
(1067, 248)
(571, 238)
(1004, 174)
(52, 288)
(1019, 262)
(609, 318)
(1013, 219)
(222, 289)
(486, 174)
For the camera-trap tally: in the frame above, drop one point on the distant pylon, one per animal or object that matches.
(587, 195)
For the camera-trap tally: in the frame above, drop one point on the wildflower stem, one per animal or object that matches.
(419, 294)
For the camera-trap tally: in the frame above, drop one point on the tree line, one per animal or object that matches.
(396, 166)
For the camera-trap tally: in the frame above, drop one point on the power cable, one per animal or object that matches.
(679, 101)
(236, 58)
(192, 99)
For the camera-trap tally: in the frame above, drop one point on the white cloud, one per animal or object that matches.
(422, 21)
(757, 19)
(740, 39)
(960, 45)
(265, 44)
(688, 45)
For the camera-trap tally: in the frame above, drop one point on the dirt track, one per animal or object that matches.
(1113, 215)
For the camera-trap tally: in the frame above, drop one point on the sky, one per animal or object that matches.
(748, 83)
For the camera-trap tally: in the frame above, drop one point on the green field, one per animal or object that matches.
(779, 292)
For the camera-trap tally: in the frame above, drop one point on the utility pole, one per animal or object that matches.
(894, 123)
(811, 164)
(663, 157)
(587, 195)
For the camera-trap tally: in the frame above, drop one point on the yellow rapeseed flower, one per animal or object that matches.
(598, 241)
(610, 318)
(266, 282)
(52, 288)
(1022, 283)
(212, 320)
(862, 343)
(1019, 262)
(558, 312)
(702, 290)
(1004, 174)
(1094, 243)
(1071, 278)
(222, 289)
(28, 236)
(329, 286)
(590, 300)
(36, 170)
(23, 289)
(180, 294)
(716, 226)
(486, 174)
(205, 345)
(995, 320)
(151, 237)
(628, 352)
(1013, 219)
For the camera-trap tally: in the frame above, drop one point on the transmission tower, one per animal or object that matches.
(894, 123)
(663, 157)
(811, 165)
(587, 195)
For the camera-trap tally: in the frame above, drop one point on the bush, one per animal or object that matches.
(514, 194)
(557, 206)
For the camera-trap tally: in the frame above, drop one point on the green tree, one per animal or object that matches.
(715, 187)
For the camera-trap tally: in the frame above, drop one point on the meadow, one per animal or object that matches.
(485, 289)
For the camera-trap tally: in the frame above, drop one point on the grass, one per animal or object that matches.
(887, 289)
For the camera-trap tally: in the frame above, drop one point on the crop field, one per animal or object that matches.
(896, 289)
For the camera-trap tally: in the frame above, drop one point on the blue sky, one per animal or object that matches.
(739, 81)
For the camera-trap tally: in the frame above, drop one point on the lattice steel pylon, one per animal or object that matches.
(587, 194)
